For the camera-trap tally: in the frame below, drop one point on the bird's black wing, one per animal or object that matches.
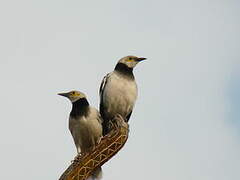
(128, 116)
(101, 107)
(103, 83)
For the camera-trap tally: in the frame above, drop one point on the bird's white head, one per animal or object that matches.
(131, 61)
(73, 95)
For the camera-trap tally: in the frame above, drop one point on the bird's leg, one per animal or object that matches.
(99, 140)
(111, 124)
(91, 148)
(117, 121)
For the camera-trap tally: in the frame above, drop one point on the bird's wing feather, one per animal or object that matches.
(128, 116)
(101, 108)
(102, 87)
(103, 83)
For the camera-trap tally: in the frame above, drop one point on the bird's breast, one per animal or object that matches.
(85, 130)
(120, 95)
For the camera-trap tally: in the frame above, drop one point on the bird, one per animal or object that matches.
(118, 91)
(85, 125)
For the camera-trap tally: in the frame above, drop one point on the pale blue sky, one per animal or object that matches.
(233, 92)
(185, 125)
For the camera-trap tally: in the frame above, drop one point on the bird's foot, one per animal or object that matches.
(99, 140)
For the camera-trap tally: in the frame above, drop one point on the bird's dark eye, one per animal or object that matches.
(130, 58)
(73, 92)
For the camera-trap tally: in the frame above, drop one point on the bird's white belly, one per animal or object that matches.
(85, 132)
(80, 131)
(120, 96)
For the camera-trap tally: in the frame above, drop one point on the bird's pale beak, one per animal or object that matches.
(63, 94)
(141, 59)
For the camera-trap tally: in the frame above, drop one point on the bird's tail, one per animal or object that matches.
(96, 175)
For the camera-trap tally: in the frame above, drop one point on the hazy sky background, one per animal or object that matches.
(186, 122)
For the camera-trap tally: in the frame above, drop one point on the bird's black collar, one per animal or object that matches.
(80, 108)
(125, 70)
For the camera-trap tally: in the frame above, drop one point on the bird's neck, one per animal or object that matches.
(125, 70)
(80, 108)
